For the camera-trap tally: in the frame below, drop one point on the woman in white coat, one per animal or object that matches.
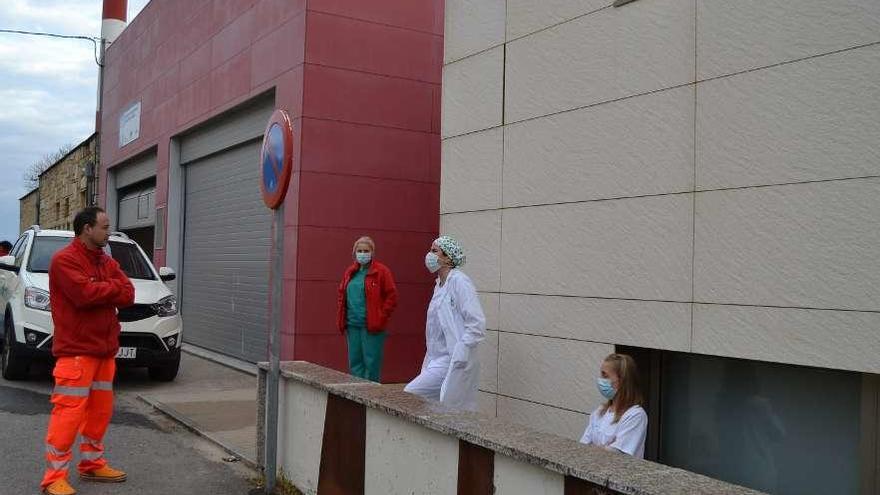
(454, 327)
(620, 424)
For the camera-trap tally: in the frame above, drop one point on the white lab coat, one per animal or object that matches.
(454, 327)
(627, 435)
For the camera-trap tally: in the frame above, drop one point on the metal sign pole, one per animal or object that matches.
(276, 163)
(274, 350)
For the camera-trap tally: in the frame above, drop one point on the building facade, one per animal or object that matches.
(188, 91)
(65, 188)
(27, 209)
(692, 182)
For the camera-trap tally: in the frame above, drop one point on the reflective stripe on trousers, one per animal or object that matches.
(82, 405)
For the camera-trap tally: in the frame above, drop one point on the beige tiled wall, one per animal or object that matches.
(635, 248)
(472, 170)
(472, 27)
(810, 120)
(654, 324)
(610, 54)
(846, 340)
(812, 245)
(473, 93)
(699, 176)
(744, 35)
(525, 17)
(576, 156)
(482, 230)
(562, 422)
(556, 372)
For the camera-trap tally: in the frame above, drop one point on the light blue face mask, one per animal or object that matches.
(605, 388)
(364, 258)
(432, 262)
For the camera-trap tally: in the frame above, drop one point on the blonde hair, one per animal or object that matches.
(363, 240)
(628, 393)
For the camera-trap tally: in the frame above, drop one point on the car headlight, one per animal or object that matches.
(167, 306)
(37, 299)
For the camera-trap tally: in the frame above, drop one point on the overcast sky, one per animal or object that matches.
(47, 88)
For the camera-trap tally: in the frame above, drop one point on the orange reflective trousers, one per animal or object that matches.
(83, 404)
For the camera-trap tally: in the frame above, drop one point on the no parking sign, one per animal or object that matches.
(276, 159)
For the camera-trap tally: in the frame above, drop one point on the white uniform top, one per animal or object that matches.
(627, 435)
(455, 325)
(435, 341)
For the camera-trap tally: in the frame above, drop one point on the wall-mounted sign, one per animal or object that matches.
(130, 124)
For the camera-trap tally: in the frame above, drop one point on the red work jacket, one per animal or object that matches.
(85, 288)
(380, 292)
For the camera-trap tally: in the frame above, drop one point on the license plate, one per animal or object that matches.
(126, 353)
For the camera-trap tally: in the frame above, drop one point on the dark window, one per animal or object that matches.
(131, 260)
(43, 250)
(777, 428)
(127, 255)
(18, 249)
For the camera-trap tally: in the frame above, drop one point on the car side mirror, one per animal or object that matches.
(8, 263)
(167, 274)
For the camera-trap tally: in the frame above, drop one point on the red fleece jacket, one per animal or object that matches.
(381, 294)
(86, 286)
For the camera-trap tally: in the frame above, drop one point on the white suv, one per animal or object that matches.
(151, 328)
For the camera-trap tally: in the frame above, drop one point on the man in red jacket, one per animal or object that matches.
(86, 288)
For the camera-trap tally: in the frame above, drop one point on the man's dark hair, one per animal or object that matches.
(86, 216)
(6, 246)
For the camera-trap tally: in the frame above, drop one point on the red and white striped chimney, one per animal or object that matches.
(113, 19)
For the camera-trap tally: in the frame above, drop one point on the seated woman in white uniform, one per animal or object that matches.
(620, 424)
(455, 325)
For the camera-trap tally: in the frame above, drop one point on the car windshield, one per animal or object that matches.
(127, 255)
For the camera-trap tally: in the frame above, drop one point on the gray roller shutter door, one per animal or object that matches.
(137, 204)
(136, 170)
(226, 234)
(137, 208)
(226, 254)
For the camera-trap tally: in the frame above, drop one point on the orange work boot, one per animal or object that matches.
(104, 474)
(59, 487)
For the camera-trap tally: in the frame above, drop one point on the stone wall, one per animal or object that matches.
(27, 210)
(64, 187)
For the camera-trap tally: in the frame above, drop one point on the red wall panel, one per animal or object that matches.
(286, 47)
(424, 15)
(367, 150)
(361, 81)
(367, 203)
(351, 96)
(376, 48)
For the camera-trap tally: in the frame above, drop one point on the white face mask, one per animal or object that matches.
(432, 262)
(364, 258)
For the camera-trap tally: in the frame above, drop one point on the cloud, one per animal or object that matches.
(65, 17)
(47, 88)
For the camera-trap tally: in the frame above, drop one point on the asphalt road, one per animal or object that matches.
(160, 457)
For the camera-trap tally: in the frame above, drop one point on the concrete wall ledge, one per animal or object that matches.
(615, 473)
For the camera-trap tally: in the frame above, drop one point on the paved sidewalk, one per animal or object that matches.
(160, 456)
(212, 399)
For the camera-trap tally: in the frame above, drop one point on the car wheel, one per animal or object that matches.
(166, 372)
(13, 367)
